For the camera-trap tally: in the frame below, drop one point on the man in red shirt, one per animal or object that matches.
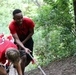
(8, 51)
(22, 29)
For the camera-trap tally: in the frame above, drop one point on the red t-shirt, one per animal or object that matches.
(3, 47)
(21, 29)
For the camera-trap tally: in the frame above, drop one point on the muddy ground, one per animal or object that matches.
(66, 66)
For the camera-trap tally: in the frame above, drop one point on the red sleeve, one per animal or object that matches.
(3, 47)
(12, 28)
(31, 24)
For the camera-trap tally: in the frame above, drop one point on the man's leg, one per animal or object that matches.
(29, 45)
(25, 57)
(24, 61)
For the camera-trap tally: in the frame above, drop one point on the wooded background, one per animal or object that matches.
(55, 26)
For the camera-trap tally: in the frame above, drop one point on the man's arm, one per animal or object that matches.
(29, 36)
(15, 36)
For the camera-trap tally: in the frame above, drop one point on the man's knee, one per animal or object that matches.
(23, 58)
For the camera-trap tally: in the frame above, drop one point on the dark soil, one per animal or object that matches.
(66, 66)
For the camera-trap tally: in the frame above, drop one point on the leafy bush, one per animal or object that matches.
(54, 29)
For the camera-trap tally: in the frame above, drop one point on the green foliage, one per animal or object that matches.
(54, 25)
(56, 40)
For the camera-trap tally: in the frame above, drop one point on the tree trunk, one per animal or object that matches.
(74, 4)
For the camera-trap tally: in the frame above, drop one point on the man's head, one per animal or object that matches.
(12, 55)
(17, 16)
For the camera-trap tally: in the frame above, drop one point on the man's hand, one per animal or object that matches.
(27, 50)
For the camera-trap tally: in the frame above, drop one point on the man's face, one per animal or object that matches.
(18, 18)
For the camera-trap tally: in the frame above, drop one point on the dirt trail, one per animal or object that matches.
(65, 66)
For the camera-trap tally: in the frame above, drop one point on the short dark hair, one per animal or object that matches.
(16, 11)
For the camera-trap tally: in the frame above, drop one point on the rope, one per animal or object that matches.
(38, 65)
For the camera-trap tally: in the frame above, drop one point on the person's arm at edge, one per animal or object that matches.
(29, 36)
(18, 68)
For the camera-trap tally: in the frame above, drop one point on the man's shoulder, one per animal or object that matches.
(11, 23)
(27, 19)
(29, 22)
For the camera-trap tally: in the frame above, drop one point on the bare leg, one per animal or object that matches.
(24, 63)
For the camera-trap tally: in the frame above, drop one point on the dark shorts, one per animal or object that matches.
(28, 44)
(22, 53)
